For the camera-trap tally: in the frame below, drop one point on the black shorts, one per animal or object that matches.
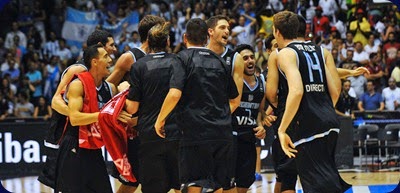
(207, 165)
(316, 166)
(285, 167)
(133, 150)
(159, 166)
(80, 170)
(48, 173)
(245, 166)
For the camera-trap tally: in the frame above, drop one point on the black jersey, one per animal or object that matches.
(244, 119)
(229, 56)
(150, 85)
(104, 94)
(203, 112)
(283, 90)
(136, 53)
(316, 114)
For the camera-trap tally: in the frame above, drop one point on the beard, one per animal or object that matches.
(249, 73)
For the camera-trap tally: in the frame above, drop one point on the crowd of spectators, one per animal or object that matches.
(33, 53)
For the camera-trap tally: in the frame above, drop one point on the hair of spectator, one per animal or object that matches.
(98, 36)
(146, 24)
(213, 21)
(372, 55)
(301, 32)
(242, 47)
(157, 37)
(345, 80)
(268, 41)
(371, 81)
(287, 24)
(89, 53)
(197, 31)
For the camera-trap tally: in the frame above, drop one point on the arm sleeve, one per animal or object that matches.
(232, 89)
(135, 92)
(178, 77)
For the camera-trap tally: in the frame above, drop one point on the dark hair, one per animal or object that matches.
(158, 37)
(197, 31)
(372, 55)
(301, 31)
(98, 36)
(213, 21)
(146, 24)
(242, 47)
(89, 53)
(287, 24)
(268, 41)
(345, 80)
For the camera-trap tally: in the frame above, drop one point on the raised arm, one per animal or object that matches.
(122, 66)
(344, 73)
(238, 78)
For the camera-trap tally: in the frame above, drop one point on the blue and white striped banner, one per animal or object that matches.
(132, 20)
(78, 26)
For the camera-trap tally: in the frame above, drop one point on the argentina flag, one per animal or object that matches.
(131, 21)
(77, 27)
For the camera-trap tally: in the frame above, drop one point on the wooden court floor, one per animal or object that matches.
(363, 182)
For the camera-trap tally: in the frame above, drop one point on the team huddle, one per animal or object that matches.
(190, 121)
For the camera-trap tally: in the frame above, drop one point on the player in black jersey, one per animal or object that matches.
(247, 121)
(158, 157)
(121, 73)
(60, 108)
(284, 166)
(82, 168)
(205, 90)
(218, 31)
(313, 89)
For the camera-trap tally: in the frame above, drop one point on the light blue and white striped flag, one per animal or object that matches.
(132, 20)
(78, 26)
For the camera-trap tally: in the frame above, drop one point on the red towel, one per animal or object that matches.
(114, 134)
(89, 135)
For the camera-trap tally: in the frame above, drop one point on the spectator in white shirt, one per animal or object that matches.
(391, 96)
(242, 32)
(359, 54)
(64, 53)
(51, 47)
(329, 8)
(371, 47)
(9, 43)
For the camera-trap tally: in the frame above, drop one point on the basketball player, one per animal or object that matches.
(313, 88)
(218, 31)
(158, 157)
(121, 73)
(205, 88)
(80, 164)
(247, 121)
(61, 110)
(285, 168)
